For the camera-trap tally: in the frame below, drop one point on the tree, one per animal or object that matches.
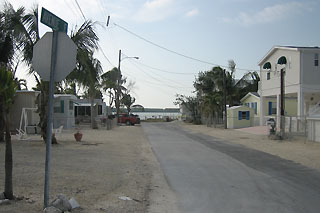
(8, 88)
(110, 85)
(127, 101)
(89, 77)
(7, 47)
(209, 88)
(192, 104)
(25, 30)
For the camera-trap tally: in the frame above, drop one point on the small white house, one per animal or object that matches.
(240, 117)
(83, 109)
(63, 111)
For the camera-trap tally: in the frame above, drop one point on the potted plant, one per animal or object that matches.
(78, 134)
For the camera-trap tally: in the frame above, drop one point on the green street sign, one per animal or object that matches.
(53, 21)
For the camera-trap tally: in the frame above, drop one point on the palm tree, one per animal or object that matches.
(209, 87)
(7, 47)
(88, 76)
(25, 31)
(110, 84)
(8, 88)
(127, 100)
(192, 104)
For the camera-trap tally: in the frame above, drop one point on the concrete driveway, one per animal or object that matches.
(210, 175)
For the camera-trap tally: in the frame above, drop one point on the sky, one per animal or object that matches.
(176, 39)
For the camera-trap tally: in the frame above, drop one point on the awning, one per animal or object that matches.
(84, 104)
(282, 60)
(267, 65)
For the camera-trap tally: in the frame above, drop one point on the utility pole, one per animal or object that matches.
(118, 87)
(225, 98)
(281, 103)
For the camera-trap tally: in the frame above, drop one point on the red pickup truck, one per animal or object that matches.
(128, 119)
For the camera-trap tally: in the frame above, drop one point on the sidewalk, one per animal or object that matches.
(297, 149)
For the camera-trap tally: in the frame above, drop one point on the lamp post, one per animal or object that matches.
(118, 81)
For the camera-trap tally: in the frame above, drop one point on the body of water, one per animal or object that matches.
(157, 115)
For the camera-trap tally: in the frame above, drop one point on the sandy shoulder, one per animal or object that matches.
(96, 172)
(297, 149)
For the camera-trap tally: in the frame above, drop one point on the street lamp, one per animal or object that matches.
(118, 81)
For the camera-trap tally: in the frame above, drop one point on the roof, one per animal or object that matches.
(293, 48)
(65, 95)
(250, 93)
(27, 91)
(84, 104)
(234, 107)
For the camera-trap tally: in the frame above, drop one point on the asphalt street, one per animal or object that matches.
(210, 175)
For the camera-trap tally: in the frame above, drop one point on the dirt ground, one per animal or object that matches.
(297, 149)
(96, 172)
(120, 162)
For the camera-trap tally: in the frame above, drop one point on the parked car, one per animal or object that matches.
(128, 119)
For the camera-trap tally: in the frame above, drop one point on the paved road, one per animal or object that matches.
(209, 175)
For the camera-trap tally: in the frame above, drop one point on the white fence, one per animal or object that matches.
(293, 125)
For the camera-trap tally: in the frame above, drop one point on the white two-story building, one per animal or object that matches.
(301, 79)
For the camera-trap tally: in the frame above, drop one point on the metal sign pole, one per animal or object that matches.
(50, 116)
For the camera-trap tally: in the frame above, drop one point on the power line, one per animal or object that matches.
(80, 9)
(168, 79)
(161, 70)
(159, 86)
(156, 79)
(100, 48)
(72, 9)
(175, 52)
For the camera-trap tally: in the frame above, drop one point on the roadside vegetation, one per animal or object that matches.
(19, 32)
(209, 89)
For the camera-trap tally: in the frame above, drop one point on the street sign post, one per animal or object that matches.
(51, 63)
(53, 21)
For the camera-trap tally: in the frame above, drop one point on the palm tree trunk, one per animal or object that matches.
(214, 119)
(93, 115)
(8, 189)
(2, 129)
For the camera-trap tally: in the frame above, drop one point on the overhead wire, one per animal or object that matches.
(100, 48)
(104, 55)
(183, 86)
(72, 9)
(159, 86)
(165, 71)
(175, 52)
(159, 81)
(80, 10)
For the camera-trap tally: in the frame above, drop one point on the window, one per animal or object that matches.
(56, 109)
(244, 115)
(316, 59)
(59, 108)
(88, 110)
(255, 107)
(99, 109)
(272, 109)
(81, 110)
(268, 75)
